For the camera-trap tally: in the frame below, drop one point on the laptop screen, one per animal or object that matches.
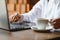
(3, 15)
(4, 19)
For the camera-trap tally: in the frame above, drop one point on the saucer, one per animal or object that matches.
(36, 29)
(48, 28)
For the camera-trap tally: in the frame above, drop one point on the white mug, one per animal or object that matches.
(41, 23)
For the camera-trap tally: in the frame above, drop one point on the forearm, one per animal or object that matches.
(32, 15)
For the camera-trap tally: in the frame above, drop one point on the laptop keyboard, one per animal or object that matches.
(20, 26)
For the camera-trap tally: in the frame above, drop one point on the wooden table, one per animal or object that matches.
(27, 35)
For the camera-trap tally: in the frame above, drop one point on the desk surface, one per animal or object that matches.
(27, 35)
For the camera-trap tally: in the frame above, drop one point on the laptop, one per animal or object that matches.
(4, 20)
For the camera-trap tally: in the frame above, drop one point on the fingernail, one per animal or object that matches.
(54, 22)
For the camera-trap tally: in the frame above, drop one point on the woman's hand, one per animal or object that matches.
(55, 23)
(15, 18)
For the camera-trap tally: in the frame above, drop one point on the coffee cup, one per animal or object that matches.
(41, 23)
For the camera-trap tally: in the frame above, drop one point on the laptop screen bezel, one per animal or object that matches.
(7, 15)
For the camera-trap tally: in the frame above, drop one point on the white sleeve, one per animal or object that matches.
(58, 10)
(57, 14)
(34, 13)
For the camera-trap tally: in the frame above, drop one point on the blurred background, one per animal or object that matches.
(20, 6)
